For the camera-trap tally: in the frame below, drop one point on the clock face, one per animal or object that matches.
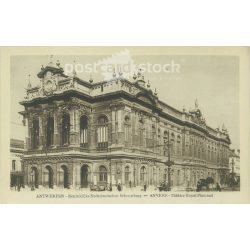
(49, 87)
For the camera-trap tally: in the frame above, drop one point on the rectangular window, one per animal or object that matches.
(126, 176)
(126, 133)
(84, 138)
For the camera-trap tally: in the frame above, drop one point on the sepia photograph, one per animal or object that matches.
(121, 123)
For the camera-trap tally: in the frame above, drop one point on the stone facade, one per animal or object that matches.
(82, 133)
(16, 167)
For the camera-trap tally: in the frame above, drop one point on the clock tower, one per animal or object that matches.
(50, 75)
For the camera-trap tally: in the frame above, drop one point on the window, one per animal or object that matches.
(178, 144)
(102, 174)
(65, 129)
(141, 132)
(191, 148)
(153, 136)
(102, 132)
(159, 134)
(83, 131)
(35, 133)
(127, 174)
(13, 165)
(209, 154)
(50, 131)
(142, 173)
(173, 143)
(126, 128)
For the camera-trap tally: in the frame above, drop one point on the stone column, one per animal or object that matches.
(72, 127)
(77, 127)
(113, 121)
(92, 132)
(119, 132)
(28, 138)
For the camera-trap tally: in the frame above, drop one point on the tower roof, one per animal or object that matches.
(54, 68)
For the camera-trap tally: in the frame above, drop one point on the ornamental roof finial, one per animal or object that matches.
(155, 93)
(134, 76)
(148, 85)
(90, 78)
(114, 74)
(29, 83)
(51, 60)
(120, 72)
(74, 68)
(58, 63)
(196, 103)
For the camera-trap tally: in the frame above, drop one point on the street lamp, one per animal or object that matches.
(32, 180)
(168, 163)
(232, 162)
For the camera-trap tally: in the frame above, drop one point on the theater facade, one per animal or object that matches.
(82, 133)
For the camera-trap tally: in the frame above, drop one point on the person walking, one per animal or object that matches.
(119, 188)
(218, 188)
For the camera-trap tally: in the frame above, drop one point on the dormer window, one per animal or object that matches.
(48, 74)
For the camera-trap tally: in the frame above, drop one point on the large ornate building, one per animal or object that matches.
(82, 133)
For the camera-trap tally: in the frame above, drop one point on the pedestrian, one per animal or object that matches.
(218, 188)
(145, 187)
(119, 188)
(130, 184)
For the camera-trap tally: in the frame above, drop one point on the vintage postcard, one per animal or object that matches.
(124, 125)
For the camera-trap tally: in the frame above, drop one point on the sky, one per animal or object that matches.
(212, 80)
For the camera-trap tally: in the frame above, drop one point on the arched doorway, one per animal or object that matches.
(84, 176)
(34, 177)
(143, 176)
(48, 177)
(65, 177)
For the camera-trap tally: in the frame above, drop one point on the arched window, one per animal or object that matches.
(65, 129)
(159, 141)
(178, 144)
(173, 143)
(35, 133)
(208, 153)
(153, 136)
(102, 132)
(142, 174)
(48, 177)
(141, 132)
(50, 131)
(83, 131)
(102, 174)
(127, 174)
